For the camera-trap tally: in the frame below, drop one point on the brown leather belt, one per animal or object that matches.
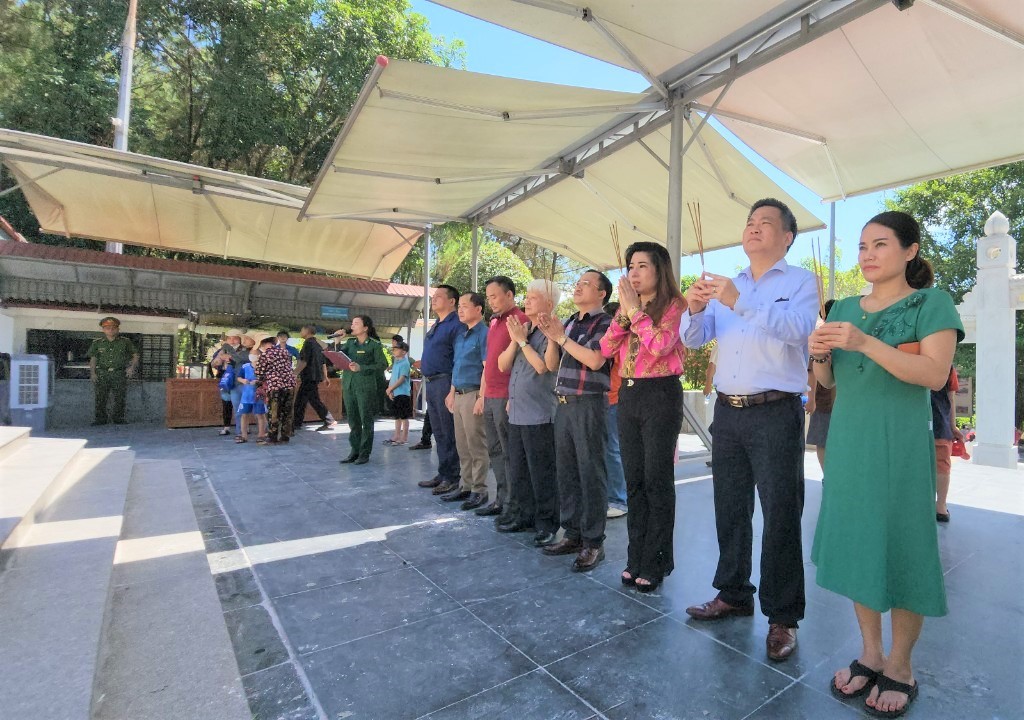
(745, 401)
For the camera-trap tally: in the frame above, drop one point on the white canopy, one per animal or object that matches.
(845, 96)
(87, 191)
(425, 143)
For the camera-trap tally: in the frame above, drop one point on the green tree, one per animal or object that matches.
(952, 212)
(495, 259)
(849, 282)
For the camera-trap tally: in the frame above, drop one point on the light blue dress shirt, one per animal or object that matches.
(762, 342)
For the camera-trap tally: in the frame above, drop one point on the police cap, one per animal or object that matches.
(109, 320)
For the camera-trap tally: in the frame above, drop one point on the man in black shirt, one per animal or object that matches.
(311, 371)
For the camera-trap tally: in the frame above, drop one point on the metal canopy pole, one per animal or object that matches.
(426, 282)
(832, 251)
(674, 234)
(124, 96)
(475, 264)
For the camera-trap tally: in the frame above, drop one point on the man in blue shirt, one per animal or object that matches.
(761, 319)
(436, 367)
(466, 402)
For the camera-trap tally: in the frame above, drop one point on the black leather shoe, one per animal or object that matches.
(421, 446)
(431, 483)
(445, 488)
(493, 509)
(475, 500)
(565, 546)
(504, 518)
(543, 539)
(515, 526)
(361, 461)
(350, 459)
(456, 496)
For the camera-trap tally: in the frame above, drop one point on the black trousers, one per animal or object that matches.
(428, 432)
(580, 436)
(226, 411)
(531, 456)
(650, 418)
(760, 447)
(308, 393)
(443, 423)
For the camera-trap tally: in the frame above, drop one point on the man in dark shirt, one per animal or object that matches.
(436, 368)
(581, 387)
(311, 371)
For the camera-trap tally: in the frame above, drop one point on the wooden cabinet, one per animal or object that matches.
(196, 403)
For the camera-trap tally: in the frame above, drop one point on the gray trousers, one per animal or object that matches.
(496, 422)
(580, 436)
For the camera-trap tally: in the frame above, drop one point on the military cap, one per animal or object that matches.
(110, 319)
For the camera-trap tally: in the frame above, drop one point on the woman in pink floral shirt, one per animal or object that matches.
(277, 381)
(645, 337)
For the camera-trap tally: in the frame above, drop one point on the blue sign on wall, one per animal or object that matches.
(333, 312)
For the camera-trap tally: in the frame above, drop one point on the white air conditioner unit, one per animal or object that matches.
(31, 390)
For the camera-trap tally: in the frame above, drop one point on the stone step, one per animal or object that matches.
(53, 590)
(11, 437)
(165, 650)
(32, 476)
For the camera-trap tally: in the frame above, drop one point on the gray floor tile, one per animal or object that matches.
(306, 572)
(277, 694)
(535, 696)
(257, 644)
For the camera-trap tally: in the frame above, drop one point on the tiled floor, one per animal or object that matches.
(359, 595)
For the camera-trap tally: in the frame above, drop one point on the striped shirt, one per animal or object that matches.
(575, 378)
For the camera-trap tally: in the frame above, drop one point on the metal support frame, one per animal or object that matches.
(978, 22)
(223, 220)
(475, 260)
(611, 206)
(608, 35)
(832, 251)
(483, 177)
(426, 286)
(717, 170)
(30, 181)
(674, 231)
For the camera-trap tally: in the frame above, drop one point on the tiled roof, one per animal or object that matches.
(7, 229)
(55, 253)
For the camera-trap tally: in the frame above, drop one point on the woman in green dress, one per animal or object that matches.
(876, 541)
(361, 387)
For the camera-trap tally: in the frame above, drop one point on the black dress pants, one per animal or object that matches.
(532, 482)
(308, 393)
(760, 447)
(580, 436)
(650, 418)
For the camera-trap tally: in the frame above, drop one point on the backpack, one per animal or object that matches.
(227, 379)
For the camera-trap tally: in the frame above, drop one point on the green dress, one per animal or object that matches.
(876, 541)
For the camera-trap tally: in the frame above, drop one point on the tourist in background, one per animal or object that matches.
(945, 432)
(112, 359)
(275, 372)
(617, 505)
(311, 371)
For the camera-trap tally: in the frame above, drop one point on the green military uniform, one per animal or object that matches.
(112, 360)
(362, 392)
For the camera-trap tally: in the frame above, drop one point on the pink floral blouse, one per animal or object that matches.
(646, 350)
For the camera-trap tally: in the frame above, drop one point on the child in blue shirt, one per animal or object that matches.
(400, 392)
(250, 404)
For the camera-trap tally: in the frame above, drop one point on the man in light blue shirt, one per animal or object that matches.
(761, 319)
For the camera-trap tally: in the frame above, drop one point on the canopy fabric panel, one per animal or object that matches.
(412, 151)
(431, 144)
(80, 190)
(895, 97)
(631, 188)
(879, 98)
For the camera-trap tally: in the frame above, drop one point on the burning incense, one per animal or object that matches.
(819, 269)
(613, 229)
(698, 230)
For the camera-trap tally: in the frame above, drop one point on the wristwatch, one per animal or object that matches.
(521, 343)
(561, 340)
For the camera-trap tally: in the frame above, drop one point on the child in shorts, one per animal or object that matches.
(251, 405)
(400, 392)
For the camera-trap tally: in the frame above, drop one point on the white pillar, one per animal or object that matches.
(995, 320)
(124, 96)
(475, 264)
(674, 234)
(426, 283)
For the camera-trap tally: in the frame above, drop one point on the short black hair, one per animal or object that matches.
(788, 218)
(402, 345)
(311, 328)
(476, 298)
(397, 339)
(603, 283)
(283, 333)
(453, 292)
(505, 282)
(267, 339)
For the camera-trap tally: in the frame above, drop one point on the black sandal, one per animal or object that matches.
(652, 585)
(856, 670)
(631, 580)
(884, 683)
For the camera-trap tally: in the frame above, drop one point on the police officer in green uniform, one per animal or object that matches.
(361, 386)
(112, 359)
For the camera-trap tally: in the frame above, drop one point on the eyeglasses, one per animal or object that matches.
(583, 283)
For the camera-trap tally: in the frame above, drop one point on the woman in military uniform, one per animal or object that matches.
(360, 386)
(112, 359)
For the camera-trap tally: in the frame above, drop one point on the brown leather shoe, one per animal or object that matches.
(716, 610)
(565, 546)
(445, 488)
(587, 559)
(781, 642)
(431, 483)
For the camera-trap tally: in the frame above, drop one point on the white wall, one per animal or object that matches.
(15, 322)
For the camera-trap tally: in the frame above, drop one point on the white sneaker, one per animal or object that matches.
(614, 512)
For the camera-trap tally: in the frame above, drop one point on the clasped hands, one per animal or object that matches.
(517, 330)
(831, 335)
(711, 287)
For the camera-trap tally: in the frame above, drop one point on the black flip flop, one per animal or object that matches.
(884, 683)
(856, 670)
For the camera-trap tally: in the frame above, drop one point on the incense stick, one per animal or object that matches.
(613, 229)
(698, 230)
(819, 269)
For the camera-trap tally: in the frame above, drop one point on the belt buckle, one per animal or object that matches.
(629, 382)
(736, 400)
(562, 400)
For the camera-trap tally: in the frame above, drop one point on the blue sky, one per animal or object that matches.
(497, 51)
